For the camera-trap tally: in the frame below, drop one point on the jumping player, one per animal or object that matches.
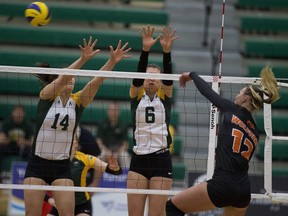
(58, 114)
(151, 165)
(238, 137)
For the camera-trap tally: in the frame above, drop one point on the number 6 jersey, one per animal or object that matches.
(150, 120)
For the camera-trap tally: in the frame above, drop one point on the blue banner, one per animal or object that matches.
(16, 201)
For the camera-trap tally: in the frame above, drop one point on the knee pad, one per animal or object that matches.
(172, 210)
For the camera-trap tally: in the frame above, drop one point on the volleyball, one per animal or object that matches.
(38, 14)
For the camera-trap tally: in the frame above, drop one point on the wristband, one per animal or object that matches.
(113, 172)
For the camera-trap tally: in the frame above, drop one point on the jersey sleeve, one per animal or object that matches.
(143, 61)
(88, 160)
(167, 68)
(76, 98)
(210, 94)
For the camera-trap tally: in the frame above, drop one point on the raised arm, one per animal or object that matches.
(166, 40)
(53, 89)
(89, 91)
(147, 41)
(88, 52)
(206, 90)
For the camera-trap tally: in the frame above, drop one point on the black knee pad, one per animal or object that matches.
(172, 210)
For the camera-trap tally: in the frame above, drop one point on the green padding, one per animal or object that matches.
(114, 90)
(93, 114)
(266, 48)
(262, 4)
(179, 170)
(264, 24)
(6, 162)
(6, 107)
(279, 71)
(177, 146)
(283, 101)
(61, 59)
(279, 123)
(69, 37)
(111, 89)
(279, 172)
(84, 12)
(279, 150)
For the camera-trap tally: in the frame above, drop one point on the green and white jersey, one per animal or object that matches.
(80, 165)
(55, 127)
(150, 119)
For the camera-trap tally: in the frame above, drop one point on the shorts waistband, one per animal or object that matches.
(161, 151)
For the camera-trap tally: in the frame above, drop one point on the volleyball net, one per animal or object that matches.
(195, 127)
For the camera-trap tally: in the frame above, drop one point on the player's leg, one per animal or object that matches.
(33, 199)
(193, 199)
(234, 211)
(157, 202)
(136, 202)
(64, 200)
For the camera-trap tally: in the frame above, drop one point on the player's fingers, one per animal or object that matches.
(119, 44)
(94, 43)
(124, 46)
(90, 41)
(84, 42)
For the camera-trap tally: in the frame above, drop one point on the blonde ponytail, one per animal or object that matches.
(268, 87)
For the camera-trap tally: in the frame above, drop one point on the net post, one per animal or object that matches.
(213, 126)
(268, 148)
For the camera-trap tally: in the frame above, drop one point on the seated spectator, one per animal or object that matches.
(112, 136)
(16, 135)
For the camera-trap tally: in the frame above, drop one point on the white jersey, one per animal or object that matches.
(151, 123)
(56, 124)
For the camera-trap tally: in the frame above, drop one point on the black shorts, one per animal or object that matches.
(48, 170)
(229, 189)
(82, 208)
(157, 164)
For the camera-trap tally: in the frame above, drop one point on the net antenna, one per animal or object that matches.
(214, 112)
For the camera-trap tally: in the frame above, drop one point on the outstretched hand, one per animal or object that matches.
(88, 49)
(167, 38)
(119, 53)
(147, 38)
(184, 78)
(112, 163)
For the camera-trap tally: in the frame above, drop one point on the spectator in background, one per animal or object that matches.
(113, 135)
(16, 135)
(88, 143)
